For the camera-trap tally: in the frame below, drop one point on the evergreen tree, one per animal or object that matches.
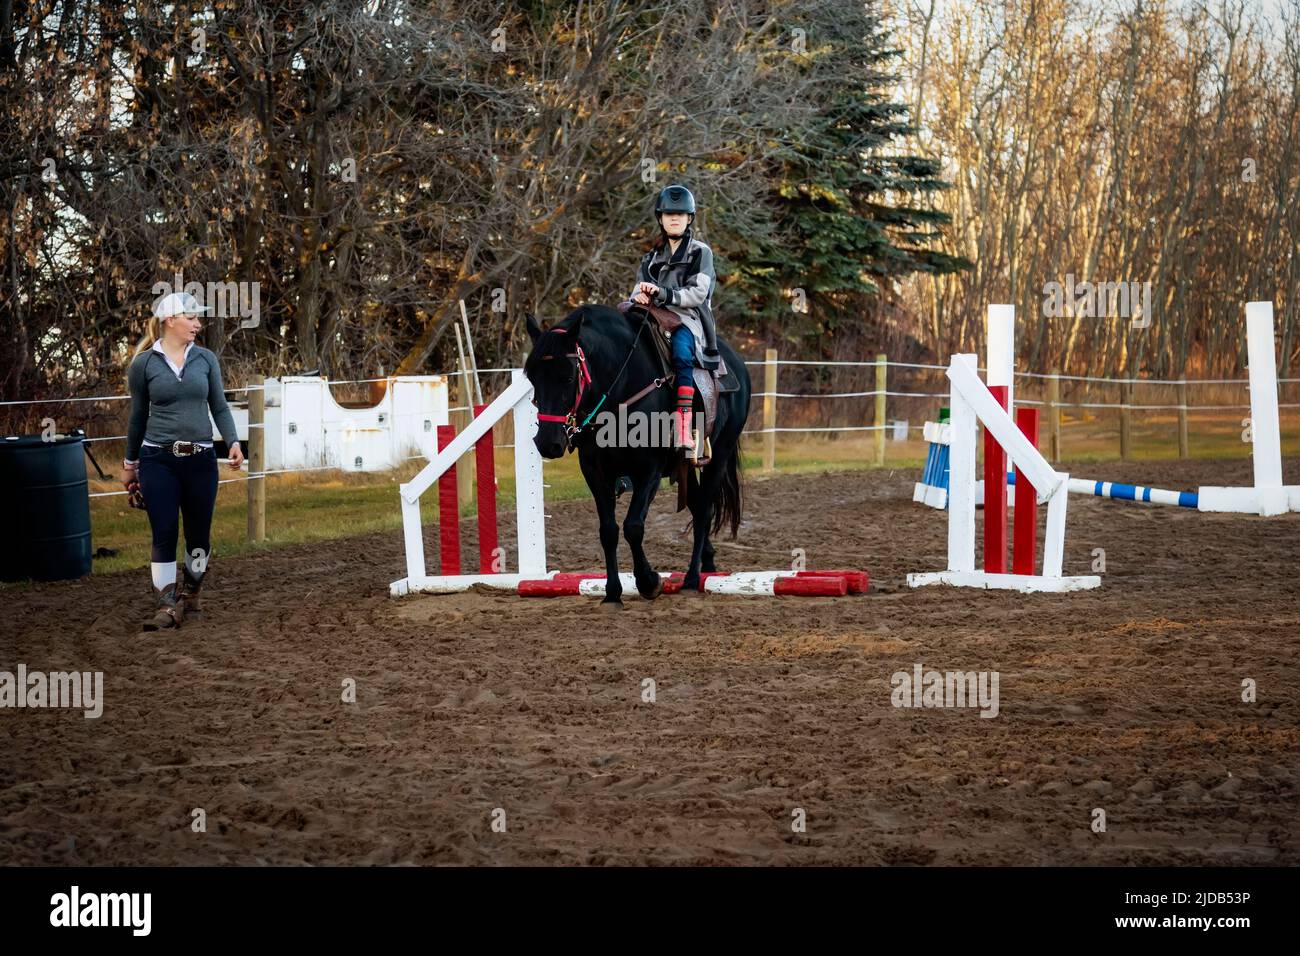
(848, 213)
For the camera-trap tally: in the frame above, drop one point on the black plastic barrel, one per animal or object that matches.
(44, 508)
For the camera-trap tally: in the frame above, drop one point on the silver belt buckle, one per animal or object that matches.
(176, 448)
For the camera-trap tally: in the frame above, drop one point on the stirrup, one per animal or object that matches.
(695, 456)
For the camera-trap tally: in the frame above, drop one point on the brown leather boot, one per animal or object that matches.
(170, 613)
(189, 593)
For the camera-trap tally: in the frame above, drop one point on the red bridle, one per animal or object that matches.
(570, 421)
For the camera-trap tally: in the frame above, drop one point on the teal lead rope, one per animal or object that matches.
(635, 342)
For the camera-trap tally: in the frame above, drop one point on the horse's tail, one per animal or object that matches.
(727, 503)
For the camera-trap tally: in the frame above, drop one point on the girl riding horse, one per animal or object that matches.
(677, 275)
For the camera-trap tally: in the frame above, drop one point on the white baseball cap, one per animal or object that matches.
(178, 303)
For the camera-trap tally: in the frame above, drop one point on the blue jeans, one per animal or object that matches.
(173, 487)
(683, 355)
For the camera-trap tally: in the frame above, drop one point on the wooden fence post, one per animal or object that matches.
(256, 464)
(460, 420)
(769, 412)
(882, 377)
(1125, 420)
(1054, 415)
(1182, 419)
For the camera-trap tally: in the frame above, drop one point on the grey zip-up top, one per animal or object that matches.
(166, 409)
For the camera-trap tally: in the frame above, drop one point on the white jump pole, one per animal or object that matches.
(1001, 348)
(530, 506)
(961, 470)
(1264, 425)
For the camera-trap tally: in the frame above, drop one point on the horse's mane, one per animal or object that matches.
(560, 339)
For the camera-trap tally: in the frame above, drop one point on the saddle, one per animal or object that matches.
(709, 383)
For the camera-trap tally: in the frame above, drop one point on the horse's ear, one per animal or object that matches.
(533, 326)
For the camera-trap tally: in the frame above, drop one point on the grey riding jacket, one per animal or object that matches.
(685, 279)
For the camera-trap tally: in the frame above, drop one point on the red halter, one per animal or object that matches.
(570, 421)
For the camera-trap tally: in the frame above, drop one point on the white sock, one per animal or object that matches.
(164, 573)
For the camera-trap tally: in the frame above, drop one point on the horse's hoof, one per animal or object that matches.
(611, 604)
(691, 584)
(655, 589)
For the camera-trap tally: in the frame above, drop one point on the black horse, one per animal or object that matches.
(586, 366)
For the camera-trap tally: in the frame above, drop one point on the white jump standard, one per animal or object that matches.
(971, 403)
(531, 520)
(1269, 496)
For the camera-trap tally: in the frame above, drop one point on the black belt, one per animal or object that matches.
(182, 449)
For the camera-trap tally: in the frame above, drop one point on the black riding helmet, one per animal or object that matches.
(675, 199)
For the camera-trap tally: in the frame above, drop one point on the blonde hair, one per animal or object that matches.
(152, 333)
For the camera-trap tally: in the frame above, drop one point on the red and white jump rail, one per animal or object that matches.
(744, 583)
(973, 402)
(531, 577)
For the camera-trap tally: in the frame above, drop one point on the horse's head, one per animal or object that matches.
(555, 372)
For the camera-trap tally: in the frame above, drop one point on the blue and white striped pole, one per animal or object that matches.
(1121, 492)
(1155, 496)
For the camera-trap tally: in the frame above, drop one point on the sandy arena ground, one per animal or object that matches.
(1127, 699)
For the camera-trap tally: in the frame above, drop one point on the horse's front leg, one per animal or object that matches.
(648, 583)
(603, 494)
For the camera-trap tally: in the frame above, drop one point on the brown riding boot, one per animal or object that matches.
(189, 593)
(170, 611)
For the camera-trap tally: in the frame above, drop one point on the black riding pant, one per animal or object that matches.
(179, 486)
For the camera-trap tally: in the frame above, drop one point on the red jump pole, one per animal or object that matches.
(548, 588)
(448, 510)
(811, 586)
(995, 496)
(1026, 520)
(487, 501)
(859, 581)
